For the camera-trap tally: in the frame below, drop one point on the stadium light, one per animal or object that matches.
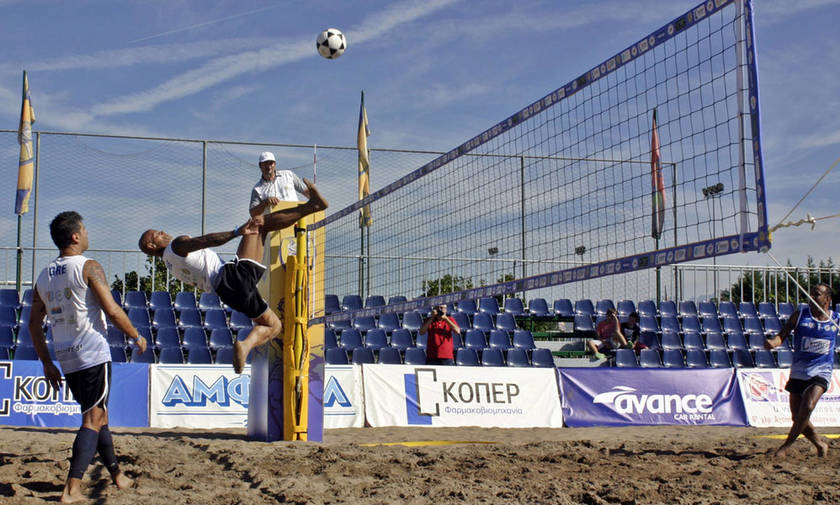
(579, 250)
(713, 190)
(493, 251)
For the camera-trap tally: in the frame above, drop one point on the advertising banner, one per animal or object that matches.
(619, 397)
(343, 405)
(26, 399)
(405, 395)
(766, 400)
(198, 396)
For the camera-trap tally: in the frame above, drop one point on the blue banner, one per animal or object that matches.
(27, 400)
(621, 397)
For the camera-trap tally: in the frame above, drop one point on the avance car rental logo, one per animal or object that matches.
(624, 401)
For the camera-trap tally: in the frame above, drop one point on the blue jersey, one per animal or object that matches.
(813, 346)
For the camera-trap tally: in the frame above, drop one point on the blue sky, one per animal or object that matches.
(435, 73)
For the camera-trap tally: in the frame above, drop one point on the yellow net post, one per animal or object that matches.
(296, 344)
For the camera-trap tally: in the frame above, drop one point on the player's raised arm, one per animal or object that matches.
(94, 276)
(184, 244)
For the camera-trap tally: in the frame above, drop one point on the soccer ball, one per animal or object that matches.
(331, 43)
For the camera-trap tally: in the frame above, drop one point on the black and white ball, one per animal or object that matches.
(331, 43)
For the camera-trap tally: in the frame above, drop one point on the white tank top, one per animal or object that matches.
(200, 268)
(78, 323)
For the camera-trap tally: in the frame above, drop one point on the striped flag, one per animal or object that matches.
(657, 184)
(365, 219)
(26, 163)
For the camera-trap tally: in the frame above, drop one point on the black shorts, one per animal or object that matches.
(237, 287)
(91, 387)
(798, 386)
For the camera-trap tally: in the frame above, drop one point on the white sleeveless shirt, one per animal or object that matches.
(78, 323)
(199, 268)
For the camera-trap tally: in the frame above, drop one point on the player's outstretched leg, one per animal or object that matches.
(266, 327)
(284, 218)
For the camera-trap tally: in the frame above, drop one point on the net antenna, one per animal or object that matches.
(563, 191)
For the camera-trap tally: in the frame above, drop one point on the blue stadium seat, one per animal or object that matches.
(466, 357)
(171, 355)
(649, 339)
(117, 296)
(376, 339)
(389, 321)
(538, 307)
(396, 299)
(718, 358)
(189, 318)
(785, 310)
(160, 300)
(475, 339)
(23, 338)
(457, 342)
(648, 323)
(116, 338)
(199, 356)
(412, 321)
(707, 309)
(649, 358)
(415, 356)
(9, 298)
(118, 354)
(691, 323)
(747, 309)
(692, 340)
(331, 304)
(492, 357)
(143, 357)
(714, 341)
(489, 305)
(389, 356)
(732, 325)
(687, 308)
(401, 339)
(135, 300)
(517, 358)
(26, 299)
(350, 339)
(468, 307)
(583, 326)
(7, 337)
(626, 358)
(185, 300)
(351, 302)
(784, 357)
(139, 318)
(514, 307)
(563, 308)
(221, 337)
(672, 324)
(766, 309)
(602, 306)
(506, 322)
(421, 340)
(523, 339)
(224, 356)
(711, 323)
(542, 358)
(695, 358)
(755, 342)
(647, 308)
(741, 358)
(772, 326)
(673, 358)
(483, 321)
(364, 323)
(336, 356)
(764, 359)
(341, 324)
(374, 301)
(25, 353)
(584, 306)
(499, 339)
(164, 318)
(209, 301)
(461, 319)
(671, 340)
(753, 325)
(167, 337)
(727, 309)
(625, 307)
(239, 321)
(667, 308)
(194, 337)
(362, 355)
(215, 318)
(6, 353)
(330, 340)
(23, 318)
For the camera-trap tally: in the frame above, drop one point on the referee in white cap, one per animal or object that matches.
(274, 186)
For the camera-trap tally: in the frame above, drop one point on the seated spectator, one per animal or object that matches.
(631, 332)
(609, 336)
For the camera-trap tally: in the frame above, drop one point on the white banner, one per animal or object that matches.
(343, 404)
(405, 395)
(766, 400)
(198, 396)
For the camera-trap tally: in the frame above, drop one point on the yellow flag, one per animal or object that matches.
(26, 163)
(364, 165)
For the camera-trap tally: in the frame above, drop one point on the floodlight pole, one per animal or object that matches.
(712, 192)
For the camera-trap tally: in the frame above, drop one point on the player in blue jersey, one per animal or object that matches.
(814, 337)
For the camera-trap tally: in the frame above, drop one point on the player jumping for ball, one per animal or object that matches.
(190, 261)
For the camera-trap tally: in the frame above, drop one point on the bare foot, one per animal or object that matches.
(822, 448)
(122, 481)
(72, 492)
(781, 452)
(318, 202)
(240, 356)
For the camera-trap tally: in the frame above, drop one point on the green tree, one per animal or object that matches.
(779, 287)
(446, 284)
(145, 283)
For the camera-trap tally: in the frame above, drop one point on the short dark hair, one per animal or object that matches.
(611, 311)
(635, 315)
(64, 226)
(826, 286)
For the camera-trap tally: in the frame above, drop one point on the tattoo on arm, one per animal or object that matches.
(97, 274)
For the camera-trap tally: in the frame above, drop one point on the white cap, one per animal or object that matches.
(266, 156)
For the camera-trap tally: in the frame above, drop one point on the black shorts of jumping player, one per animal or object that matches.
(91, 387)
(798, 386)
(237, 287)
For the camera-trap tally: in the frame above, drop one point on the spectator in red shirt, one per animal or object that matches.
(610, 335)
(438, 328)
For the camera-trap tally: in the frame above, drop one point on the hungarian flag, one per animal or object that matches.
(26, 163)
(364, 165)
(657, 183)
